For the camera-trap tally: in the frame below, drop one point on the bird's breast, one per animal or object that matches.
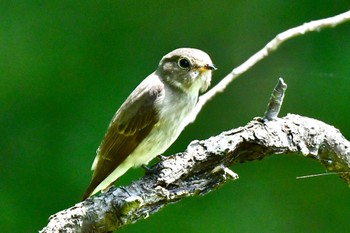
(174, 110)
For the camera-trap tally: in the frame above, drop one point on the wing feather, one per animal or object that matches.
(129, 126)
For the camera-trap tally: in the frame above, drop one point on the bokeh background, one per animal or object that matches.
(66, 66)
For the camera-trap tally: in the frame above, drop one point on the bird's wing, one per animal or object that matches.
(129, 126)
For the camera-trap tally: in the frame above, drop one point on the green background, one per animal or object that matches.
(66, 66)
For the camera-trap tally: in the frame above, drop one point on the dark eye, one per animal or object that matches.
(184, 63)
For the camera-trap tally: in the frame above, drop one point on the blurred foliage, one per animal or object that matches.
(66, 66)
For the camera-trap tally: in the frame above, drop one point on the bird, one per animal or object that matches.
(152, 117)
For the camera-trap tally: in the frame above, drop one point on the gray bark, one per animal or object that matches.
(202, 168)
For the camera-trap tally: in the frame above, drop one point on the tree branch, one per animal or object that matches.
(270, 47)
(275, 104)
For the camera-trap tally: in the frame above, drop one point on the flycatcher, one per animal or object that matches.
(152, 117)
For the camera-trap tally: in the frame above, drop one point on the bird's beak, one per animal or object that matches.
(210, 67)
(207, 67)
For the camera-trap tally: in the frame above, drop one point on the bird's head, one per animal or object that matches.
(186, 69)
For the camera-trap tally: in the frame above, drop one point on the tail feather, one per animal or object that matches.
(102, 183)
(89, 190)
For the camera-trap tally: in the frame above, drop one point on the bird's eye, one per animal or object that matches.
(184, 63)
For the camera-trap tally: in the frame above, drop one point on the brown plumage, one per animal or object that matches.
(129, 126)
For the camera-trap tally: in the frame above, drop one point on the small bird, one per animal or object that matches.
(152, 117)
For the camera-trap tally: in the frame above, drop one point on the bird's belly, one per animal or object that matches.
(160, 138)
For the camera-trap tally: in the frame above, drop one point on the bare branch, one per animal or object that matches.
(203, 168)
(276, 100)
(270, 47)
